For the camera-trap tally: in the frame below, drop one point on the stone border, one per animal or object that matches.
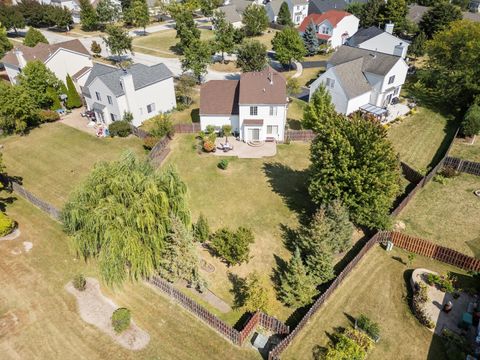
(15, 234)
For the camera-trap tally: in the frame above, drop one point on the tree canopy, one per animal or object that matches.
(5, 44)
(310, 40)
(196, 58)
(11, 17)
(122, 215)
(108, 12)
(319, 110)
(118, 40)
(288, 46)
(224, 34)
(18, 110)
(137, 14)
(471, 121)
(255, 19)
(88, 16)
(284, 16)
(251, 56)
(439, 17)
(187, 30)
(33, 37)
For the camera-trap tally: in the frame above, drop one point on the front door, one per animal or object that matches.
(254, 134)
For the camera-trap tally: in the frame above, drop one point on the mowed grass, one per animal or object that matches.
(53, 159)
(447, 214)
(464, 149)
(39, 318)
(295, 113)
(422, 138)
(377, 287)
(265, 195)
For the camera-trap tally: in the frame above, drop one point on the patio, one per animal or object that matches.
(245, 151)
(395, 111)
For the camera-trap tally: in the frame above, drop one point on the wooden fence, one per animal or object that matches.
(187, 128)
(142, 134)
(33, 199)
(469, 167)
(299, 135)
(431, 250)
(160, 150)
(232, 334)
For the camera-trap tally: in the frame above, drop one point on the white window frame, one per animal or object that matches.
(253, 110)
(270, 129)
(273, 111)
(152, 108)
(330, 83)
(391, 79)
(98, 96)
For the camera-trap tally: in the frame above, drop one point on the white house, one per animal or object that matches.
(255, 106)
(376, 39)
(144, 91)
(63, 58)
(360, 79)
(333, 27)
(298, 9)
(232, 14)
(474, 6)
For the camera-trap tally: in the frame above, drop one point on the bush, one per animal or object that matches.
(127, 116)
(420, 297)
(201, 230)
(444, 283)
(210, 129)
(360, 338)
(471, 121)
(162, 126)
(223, 164)
(369, 326)
(79, 282)
(208, 145)
(233, 247)
(121, 319)
(6, 224)
(119, 128)
(449, 172)
(149, 142)
(48, 116)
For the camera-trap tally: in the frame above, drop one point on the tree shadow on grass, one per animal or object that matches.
(449, 130)
(291, 185)
(238, 289)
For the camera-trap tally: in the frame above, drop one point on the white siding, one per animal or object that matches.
(355, 103)
(339, 98)
(263, 114)
(348, 25)
(218, 121)
(67, 62)
(116, 108)
(299, 13)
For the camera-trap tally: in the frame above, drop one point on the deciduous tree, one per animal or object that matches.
(371, 13)
(33, 37)
(418, 45)
(11, 17)
(471, 121)
(108, 12)
(439, 18)
(208, 6)
(118, 41)
(256, 295)
(60, 17)
(284, 16)
(185, 88)
(224, 34)
(319, 110)
(394, 11)
(5, 44)
(138, 15)
(18, 110)
(251, 56)
(255, 19)
(310, 39)
(288, 46)
(196, 58)
(186, 28)
(88, 16)
(96, 49)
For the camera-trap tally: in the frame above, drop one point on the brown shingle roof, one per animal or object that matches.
(81, 72)
(263, 87)
(219, 97)
(43, 51)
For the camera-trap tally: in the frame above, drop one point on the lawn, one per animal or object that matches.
(378, 288)
(422, 138)
(54, 158)
(266, 38)
(163, 43)
(447, 214)
(266, 195)
(39, 319)
(295, 113)
(466, 150)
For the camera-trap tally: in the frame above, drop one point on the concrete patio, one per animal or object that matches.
(395, 111)
(244, 151)
(75, 120)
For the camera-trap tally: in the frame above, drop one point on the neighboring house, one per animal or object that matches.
(144, 91)
(376, 39)
(333, 27)
(63, 58)
(474, 6)
(255, 106)
(416, 12)
(232, 15)
(298, 9)
(72, 5)
(362, 79)
(321, 6)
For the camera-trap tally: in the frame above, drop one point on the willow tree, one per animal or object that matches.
(122, 214)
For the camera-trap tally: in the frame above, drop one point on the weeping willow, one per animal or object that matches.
(122, 214)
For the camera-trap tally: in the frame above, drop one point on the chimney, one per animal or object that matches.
(20, 58)
(400, 50)
(126, 81)
(389, 27)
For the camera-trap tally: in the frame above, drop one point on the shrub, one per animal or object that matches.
(256, 295)
(471, 121)
(210, 129)
(73, 100)
(162, 126)
(233, 247)
(444, 283)
(119, 128)
(121, 319)
(449, 172)
(201, 230)
(149, 142)
(223, 164)
(439, 178)
(420, 297)
(6, 224)
(79, 282)
(363, 340)
(48, 116)
(343, 347)
(369, 326)
(208, 145)
(127, 116)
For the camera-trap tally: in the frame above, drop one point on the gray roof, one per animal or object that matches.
(363, 35)
(373, 61)
(321, 6)
(299, 2)
(352, 79)
(142, 76)
(275, 5)
(240, 5)
(416, 12)
(231, 13)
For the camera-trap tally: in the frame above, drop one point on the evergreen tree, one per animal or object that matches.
(224, 34)
(418, 44)
(53, 95)
(33, 37)
(73, 100)
(186, 28)
(439, 18)
(251, 56)
(370, 15)
(179, 259)
(471, 121)
(297, 287)
(255, 19)
(341, 226)
(118, 40)
(201, 230)
(284, 16)
(108, 12)
(5, 44)
(196, 58)
(88, 16)
(310, 39)
(138, 14)
(319, 110)
(394, 11)
(256, 295)
(288, 46)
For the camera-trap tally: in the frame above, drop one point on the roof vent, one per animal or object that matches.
(373, 55)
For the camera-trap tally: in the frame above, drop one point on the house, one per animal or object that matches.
(144, 91)
(63, 58)
(362, 79)
(333, 27)
(474, 6)
(232, 15)
(255, 106)
(298, 10)
(321, 6)
(376, 39)
(416, 12)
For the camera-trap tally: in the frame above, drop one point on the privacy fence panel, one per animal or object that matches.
(300, 135)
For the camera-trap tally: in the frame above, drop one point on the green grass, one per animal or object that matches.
(39, 318)
(447, 214)
(422, 138)
(295, 113)
(263, 194)
(465, 150)
(53, 159)
(266, 38)
(378, 288)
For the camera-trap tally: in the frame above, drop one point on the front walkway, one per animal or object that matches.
(244, 151)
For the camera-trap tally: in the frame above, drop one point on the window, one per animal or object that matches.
(391, 79)
(97, 94)
(109, 99)
(272, 129)
(297, 19)
(253, 110)
(113, 117)
(330, 83)
(325, 30)
(151, 108)
(397, 90)
(273, 110)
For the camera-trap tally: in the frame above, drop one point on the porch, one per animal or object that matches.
(244, 150)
